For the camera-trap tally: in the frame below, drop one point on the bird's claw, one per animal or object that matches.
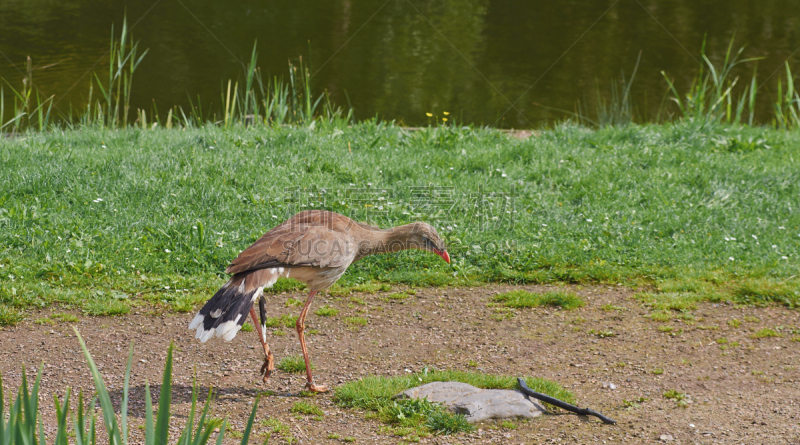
(311, 387)
(267, 367)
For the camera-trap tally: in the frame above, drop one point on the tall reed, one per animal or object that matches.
(711, 98)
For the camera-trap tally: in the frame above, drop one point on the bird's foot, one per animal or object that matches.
(311, 387)
(267, 367)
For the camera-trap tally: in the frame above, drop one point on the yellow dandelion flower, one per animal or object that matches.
(429, 114)
(447, 113)
(444, 119)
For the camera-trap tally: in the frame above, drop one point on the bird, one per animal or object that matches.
(315, 247)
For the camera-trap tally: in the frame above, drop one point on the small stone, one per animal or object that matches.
(666, 437)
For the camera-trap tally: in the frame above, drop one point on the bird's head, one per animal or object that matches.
(423, 236)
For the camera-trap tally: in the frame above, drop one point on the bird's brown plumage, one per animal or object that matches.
(315, 247)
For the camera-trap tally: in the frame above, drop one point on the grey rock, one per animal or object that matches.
(475, 403)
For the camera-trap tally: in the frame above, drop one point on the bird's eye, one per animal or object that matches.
(428, 243)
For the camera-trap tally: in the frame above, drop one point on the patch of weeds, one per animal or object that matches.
(524, 299)
(422, 414)
(187, 302)
(797, 338)
(734, 323)
(662, 316)
(708, 328)
(578, 320)
(751, 319)
(96, 307)
(657, 371)
(293, 363)
(64, 317)
(235, 434)
(293, 302)
(631, 404)
(278, 333)
(359, 301)
(503, 313)
(312, 331)
(349, 439)
(355, 321)
(721, 341)
(333, 436)
(761, 291)
(610, 307)
(444, 422)
(327, 311)
(665, 328)
(397, 297)
(285, 320)
(765, 333)
(371, 288)
(43, 321)
(757, 372)
(247, 327)
(679, 397)
(307, 408)
(669, 301)
(602, 333)
(509, 425)
(472, 364)
(278, 427)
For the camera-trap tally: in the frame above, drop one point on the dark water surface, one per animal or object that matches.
(399, 59)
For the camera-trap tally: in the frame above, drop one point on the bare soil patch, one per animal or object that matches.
(738, 389)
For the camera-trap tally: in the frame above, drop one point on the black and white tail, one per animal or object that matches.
(225, 313)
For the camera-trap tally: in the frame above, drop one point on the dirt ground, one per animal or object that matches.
(743, 390)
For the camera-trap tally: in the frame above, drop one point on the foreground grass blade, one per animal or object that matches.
(164, 402)
(109, 417)
(149, 438)
(61, 418)
(249, 427)
(123, 410)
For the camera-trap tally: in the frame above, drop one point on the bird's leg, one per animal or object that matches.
(300, 325)
(268, 366)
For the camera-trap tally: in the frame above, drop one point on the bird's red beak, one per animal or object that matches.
(443, 254)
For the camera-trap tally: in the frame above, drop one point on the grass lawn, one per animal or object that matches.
(103, 220)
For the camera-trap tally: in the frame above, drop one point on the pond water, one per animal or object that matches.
(520, 64)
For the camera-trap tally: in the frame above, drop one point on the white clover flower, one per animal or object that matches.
(730, 258)
(167, 250)
(588, 220)
(754, 237)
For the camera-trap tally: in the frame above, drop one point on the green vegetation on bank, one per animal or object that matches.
(104, 219)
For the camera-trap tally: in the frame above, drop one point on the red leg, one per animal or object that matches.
(300, 325)
(268, 366)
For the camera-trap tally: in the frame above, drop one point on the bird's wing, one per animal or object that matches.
(304, 240)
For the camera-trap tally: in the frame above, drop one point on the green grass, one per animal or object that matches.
(247, 327)
(356, 321)
(293, 364)
(129, 212)
(374, 394)
(9, 316)
(285, 320)
(326, 311)
(523, 299)
(765, 333)
(306, 408)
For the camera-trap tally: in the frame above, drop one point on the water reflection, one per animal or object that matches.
(399, 59)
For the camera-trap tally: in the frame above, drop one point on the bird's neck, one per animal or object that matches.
(390, 240)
